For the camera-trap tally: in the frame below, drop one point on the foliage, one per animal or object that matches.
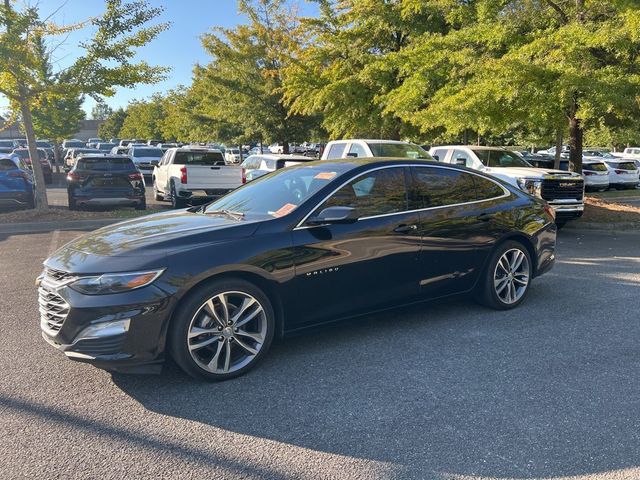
(144, 119)
(112, 125)
(101, 111)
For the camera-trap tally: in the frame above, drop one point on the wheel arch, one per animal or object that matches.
(527, 242)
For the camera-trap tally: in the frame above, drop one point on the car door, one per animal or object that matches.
(161, 172)
(346, 269)
(457, 229)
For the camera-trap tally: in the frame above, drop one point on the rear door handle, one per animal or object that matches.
(485, 217)
(405, 228)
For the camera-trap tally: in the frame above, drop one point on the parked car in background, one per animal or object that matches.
(124, 143)
(276, 148)
(8, 146)
(119, 150)
(187, 175)
(373, 148)
(213, 286)
(145, 157)
(47, 171)
(114, 140)
(256, 166)
(105, 146)
(564, 191)
(105, 180)
(537, 160)
(167, 146)
(596, 174)
(16, 183)
(623, 173)
(232, 155)
(632, 153)
(73, 154)
(73, 143)
(93, 142)
(564, 152)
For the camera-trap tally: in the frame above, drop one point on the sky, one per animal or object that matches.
(178, 47)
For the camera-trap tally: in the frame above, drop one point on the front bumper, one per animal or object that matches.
(123, 332)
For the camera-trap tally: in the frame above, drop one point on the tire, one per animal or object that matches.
(156, 195)
(176, 202)
(494, 280)
(72, 202)
(224, 354)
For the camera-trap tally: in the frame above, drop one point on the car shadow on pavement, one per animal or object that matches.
(445, 387)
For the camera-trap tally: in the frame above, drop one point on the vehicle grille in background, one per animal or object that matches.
(53, 310)
(56, 276)
(562, 189)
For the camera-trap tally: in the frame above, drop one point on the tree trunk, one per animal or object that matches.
(575, 144)
(261, 148)
(41, 188)
(56, 155)
(556, 161)
(285, 147)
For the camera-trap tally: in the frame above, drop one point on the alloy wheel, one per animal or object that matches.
(511, 276)
(227, 332)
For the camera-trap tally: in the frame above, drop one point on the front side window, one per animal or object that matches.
(357, 150)
(376, 193)
(439, 187)
(500, 158)
(336, 151)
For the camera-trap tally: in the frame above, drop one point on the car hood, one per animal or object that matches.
(153, 236)
(522, 172)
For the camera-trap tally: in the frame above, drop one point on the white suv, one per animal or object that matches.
(373, 148)
(564, 191)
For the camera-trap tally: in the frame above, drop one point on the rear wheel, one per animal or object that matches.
(176, 202)
(505, 281)
(222, 330)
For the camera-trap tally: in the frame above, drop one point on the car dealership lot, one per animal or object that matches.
(446, 390)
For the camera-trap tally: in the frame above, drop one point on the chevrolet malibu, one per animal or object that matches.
(211, 286)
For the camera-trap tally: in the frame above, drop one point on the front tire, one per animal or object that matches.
(222, 330)
(506, 280)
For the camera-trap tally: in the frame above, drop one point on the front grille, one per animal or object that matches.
(58, 276)
(53, 310)
(553, 189)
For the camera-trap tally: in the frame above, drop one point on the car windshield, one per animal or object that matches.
(500, 158)
(106, 146)
(624, 165)
(73, 144)
(148, 152)
(398, 150)
(42, 144)
(24, 153)
(6, 144)
(595, 167)
(279, 193)
(105, 164)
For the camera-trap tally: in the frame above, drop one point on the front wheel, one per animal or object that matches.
(222, 330)
(505, 281)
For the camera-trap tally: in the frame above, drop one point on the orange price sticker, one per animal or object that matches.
(286, 209)
(325, 175)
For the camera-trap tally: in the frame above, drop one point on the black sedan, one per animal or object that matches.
(315, 243)
(103, 180)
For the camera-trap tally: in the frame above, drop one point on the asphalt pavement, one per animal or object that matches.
(449, 390)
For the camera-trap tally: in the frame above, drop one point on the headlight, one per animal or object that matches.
(115, 282)
(532, 186)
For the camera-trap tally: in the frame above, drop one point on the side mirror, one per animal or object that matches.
(155, 163)
(436, 157)
(461, 161)
(352, 155)
(334, 215)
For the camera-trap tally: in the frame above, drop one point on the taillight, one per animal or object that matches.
(588, 173)
(551, 213)
(135, 176)
(244, 176)
(72, 176)
(621, 172)
(183, 175)
(19, 175)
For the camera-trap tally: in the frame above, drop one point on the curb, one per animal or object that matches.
(43, 227)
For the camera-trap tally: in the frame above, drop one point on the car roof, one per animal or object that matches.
(474, 147)
(371, 140)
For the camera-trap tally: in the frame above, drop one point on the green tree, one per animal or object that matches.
(547, 66)
(239, 93)
(111, 127)
(105, 64)
(342, 70)
(101, 111)
(144, 119)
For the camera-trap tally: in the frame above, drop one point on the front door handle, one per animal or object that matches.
(485, 217)
(405, 228)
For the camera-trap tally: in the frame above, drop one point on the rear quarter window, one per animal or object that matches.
(336, 151)
(486, 189)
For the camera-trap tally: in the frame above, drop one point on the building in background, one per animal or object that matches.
(88, 129)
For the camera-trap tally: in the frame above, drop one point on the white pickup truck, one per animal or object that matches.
(563, 191)
(184, 175)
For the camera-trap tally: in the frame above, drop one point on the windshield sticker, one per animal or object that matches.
(325, 175)
(286, 209)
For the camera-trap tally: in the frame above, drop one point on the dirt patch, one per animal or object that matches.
(599, 210)
(63, 214)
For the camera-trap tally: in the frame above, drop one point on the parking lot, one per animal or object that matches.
(446, 390)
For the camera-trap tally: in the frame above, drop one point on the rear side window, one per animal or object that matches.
(106, 164)
(486, 189)
(336, 151)
(199, 158)
(6, 164)
(438, 187)
(377, 193)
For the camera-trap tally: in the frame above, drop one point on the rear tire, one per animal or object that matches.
(176, 202)
(505, 282)
(231, 344)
